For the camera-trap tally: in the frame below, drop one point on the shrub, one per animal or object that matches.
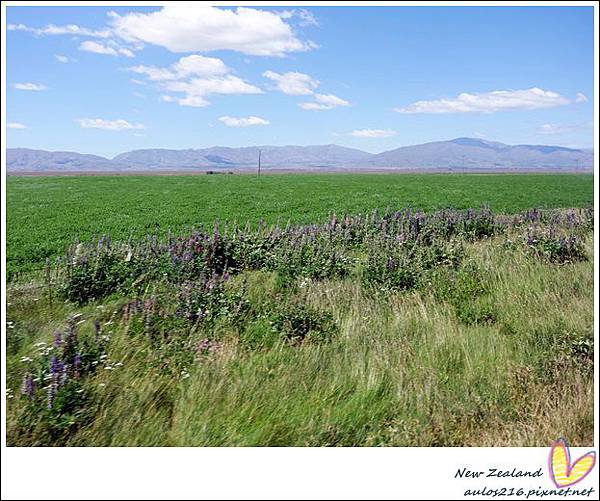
(466, 290)
(559, 250)
(53, 382)
(404, 265)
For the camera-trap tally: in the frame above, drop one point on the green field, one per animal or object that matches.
(46, 214)
(449, 327)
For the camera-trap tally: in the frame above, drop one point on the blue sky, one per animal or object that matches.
(105, 80)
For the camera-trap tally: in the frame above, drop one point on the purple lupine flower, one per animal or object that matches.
(56, 366)
(206, 347)
(57, 339)
(28, 386)
(77, 365)
(71, 336)
(57, 370)
(64, 375)
(52, 389)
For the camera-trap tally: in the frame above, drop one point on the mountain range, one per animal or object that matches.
(460, 154)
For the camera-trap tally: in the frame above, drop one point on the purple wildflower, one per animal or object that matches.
(530, 239)
(71, 336)
(77, 365)
(206, 347)
(28, 386)
(52, 389)
(57, 339)
(56, 366)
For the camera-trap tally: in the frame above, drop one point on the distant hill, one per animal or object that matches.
(458, 154)
(272, 156)
(469, 153)
(24, 159)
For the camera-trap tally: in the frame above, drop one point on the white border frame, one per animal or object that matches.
(271, 473)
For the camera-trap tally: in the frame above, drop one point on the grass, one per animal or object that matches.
(475, 353)
(46, 214)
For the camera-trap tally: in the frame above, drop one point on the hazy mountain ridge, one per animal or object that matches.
(461, 153)
(476, 153)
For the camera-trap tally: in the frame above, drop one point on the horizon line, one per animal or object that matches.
(306, 146)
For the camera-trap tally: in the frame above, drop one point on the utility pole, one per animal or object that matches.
(259, 155)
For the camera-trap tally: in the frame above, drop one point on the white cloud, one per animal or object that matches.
(181, 28)
(199, 65)
(137, 82)
(100, 123)
(552, 129)
(153, 73)
(51, 29)
(30, 86)
(194, 101)
(306, 17)
(314, 106)
(185, 28)
(489, 102)
(228, 84)
(189, 100)
(243, 122)
(324, 102)
(293, 83)
(125, 52)
(64, 59)
(99, 48)
(373, 133)
(15, 125)
(196, 77)
(580, 98)
(193, 65)
(331, 100)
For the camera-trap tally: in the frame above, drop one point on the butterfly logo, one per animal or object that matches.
(562, 471)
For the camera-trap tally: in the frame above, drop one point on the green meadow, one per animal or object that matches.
(358, 323)
(47, 214)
